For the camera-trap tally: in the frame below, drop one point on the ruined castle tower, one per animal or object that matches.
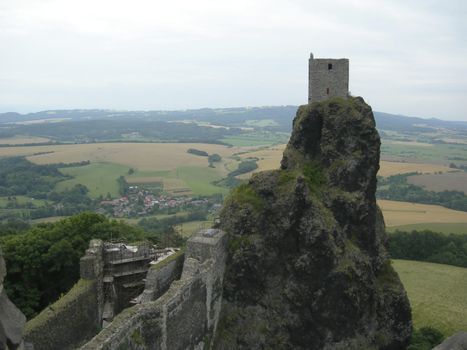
(327, 78)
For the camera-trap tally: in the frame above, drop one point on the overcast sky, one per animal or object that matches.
(406, 56)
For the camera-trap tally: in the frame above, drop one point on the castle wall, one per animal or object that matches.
(182, 318)
(328, 78)
(68, 322)
(160, 276)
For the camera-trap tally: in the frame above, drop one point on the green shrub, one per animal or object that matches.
(314, 175)
(244, 194)
(425, 338)
(238, 242)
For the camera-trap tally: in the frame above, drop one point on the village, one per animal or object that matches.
(141, 202)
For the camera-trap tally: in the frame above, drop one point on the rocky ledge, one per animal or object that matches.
(307, 264)
(11, 319)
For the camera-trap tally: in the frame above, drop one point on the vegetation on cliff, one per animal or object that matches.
(307, 265)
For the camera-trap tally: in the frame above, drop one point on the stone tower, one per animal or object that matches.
(327, 78)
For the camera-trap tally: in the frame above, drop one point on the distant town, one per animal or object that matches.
(143, 202)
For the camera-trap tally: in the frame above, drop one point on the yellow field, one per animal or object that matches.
(411, 143)
(22, 140)
(175, 185)
(142, 156)
(270, 158)
(404, 213)
(394, 168)
(144, 179)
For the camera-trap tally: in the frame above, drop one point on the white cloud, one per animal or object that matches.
(187, 54)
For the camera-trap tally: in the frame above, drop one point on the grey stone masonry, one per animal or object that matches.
(185, 317)
(327, 77)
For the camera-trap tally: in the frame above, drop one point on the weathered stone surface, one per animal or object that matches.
(159, 278)
(11, 319)
(307, 266)
(457, 342)
(327, 78)
(68, 322)
(185, 316)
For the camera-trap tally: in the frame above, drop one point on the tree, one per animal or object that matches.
(43, 262)
(214, 158)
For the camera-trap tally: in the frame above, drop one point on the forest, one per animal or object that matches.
(429, 246)
(396, 188)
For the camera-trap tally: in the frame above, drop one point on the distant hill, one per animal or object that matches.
(395, 122)
(281, 114)
(271, 119)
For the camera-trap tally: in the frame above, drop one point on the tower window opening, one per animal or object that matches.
(329, 66)
(327, 91)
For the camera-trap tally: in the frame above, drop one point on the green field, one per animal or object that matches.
(437, 153)
(134, 221)
(187, 229)
(459, 228)
(23, 200)
(437, 294)
(199, 180)
(48, 219)
(257, 139)
(99, 178)
(261, 123)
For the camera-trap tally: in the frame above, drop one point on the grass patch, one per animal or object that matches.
(244, 194)
(199, 180)
(187, 229)
(257, 139)
(314, 175)
(287, 176)
(437, 294)
(437, 153)
(261, 123)
(239, 242)
(99, 178)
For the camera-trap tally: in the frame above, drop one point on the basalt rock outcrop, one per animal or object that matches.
(307, 265)
(456, 342)
(11, 319)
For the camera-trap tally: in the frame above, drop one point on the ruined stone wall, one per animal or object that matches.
(328, 78)
(75, 317)
(92, 268)
(160, 276)
(185, 317)
(67, 323)
(174, 321)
